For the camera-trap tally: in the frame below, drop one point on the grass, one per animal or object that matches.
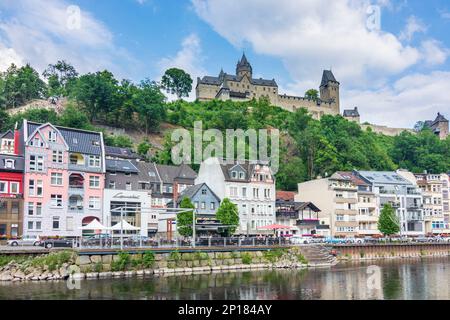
(122, 263)
(301, 258)
(246, 258)
(273, 255)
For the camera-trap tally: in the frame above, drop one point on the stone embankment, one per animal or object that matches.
(62, 265)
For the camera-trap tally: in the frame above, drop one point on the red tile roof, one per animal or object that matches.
(286, 195)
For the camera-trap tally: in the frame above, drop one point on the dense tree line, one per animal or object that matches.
(309, 147)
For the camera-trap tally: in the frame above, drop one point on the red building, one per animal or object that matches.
(11, 186)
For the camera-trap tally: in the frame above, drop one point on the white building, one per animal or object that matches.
(250, 185)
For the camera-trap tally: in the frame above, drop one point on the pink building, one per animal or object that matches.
(63, 180)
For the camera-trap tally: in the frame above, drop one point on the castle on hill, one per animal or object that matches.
(243, 87)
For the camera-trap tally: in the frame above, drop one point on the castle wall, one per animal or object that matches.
(385, 130)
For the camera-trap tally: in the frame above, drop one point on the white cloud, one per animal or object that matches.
(413, 26)
(42, 34)
(8, 56)
(312, 35)
(412, 98)
(445, 14)
(189, 58)
(434, 53)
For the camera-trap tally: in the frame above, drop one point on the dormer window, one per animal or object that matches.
(234, 174)
(36, 142)
(95, 143)
(52, 136)
(241, 175)
(75, 140)
(9, 164)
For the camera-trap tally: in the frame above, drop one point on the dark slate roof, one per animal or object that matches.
(351, 112)
(82, 141)
(191, 191)
(120, 166)
(440, 118)
(304, 205)
(7, 135)
(124, 153)
(19, 164)
(327, 76)
(218, 80)
(169, 174)
(353, 177)
(147, 171)
(247, 166)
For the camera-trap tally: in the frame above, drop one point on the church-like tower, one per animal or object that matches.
(329, 89)
(243, 68)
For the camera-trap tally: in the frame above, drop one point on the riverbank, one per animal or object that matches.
(65, 264)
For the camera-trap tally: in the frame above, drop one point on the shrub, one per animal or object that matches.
(148, 259)
(273, 255)
(121, 263)
(175, 255)
(201, 255)
(235, 255)
(98, 267)
(301, 258)
(246, 258)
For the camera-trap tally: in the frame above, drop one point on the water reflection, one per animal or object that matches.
(405, 279)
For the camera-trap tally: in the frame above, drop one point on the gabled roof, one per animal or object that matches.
(383, 177)
(169, 174)
(191, 191)
(439, 118)
(82, 141)
(353, 177)
(124, 153)
(249, 167)
(304, 205)
(120, 166)
(327, 76)
(7, 135)
(351, 112)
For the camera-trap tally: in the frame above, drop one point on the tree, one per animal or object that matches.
(312, 94)
(150, 105)
(59, 75)
(177, 81)
(228, 215)
(388, 222)
(120, 141)
(4, 120)
(143, 148)
(185, 219)
(73, 117)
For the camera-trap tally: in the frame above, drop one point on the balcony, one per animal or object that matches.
(345, 200)
(287, 214)
(308, 222)
(76, 203)
(76, 182)
(346, 211)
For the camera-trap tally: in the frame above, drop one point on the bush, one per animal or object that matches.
(121, 263)
(98, 267)
(175, 256)
(273, 255)
(53, 260)
(246, 258)
(201, 255)
(301, 258)
(148, 259)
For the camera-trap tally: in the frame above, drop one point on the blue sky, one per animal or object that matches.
(396, 75)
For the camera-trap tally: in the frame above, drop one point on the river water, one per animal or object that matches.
(395, 279)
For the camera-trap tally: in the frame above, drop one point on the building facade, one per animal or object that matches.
(249, 185)
(435, 202)
(242, 87)
(337, 198)
(405, 197)
(127, 196)
(63, 179)
(11, 186)
(438, 126)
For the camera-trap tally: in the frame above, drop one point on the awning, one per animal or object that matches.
(274, 227)
(124, 225)
(94, 225)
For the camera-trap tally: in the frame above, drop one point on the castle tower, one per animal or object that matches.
(329, 89)
(243, 67)
(440, 126)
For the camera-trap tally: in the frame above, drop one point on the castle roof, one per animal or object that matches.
(229, 77)
(351, 112)
(440, 118)
(327, 77)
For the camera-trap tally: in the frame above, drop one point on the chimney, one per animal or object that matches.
(16, 140)
(175, 192)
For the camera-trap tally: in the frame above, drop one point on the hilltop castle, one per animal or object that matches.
(242, 87)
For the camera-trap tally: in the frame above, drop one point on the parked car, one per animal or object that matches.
(423, 239)
(58, 243)
(25, 241)
(334, 240)
(354, 240)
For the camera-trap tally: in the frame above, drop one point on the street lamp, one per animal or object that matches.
(193, 227)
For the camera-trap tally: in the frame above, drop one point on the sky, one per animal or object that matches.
(391, 57)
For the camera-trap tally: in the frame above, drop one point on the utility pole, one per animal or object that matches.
(193, 227)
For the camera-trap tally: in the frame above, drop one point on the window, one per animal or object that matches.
(3, 187)
(14, 188)
(3, 207)
(39, 188)
(36, 163)
(203, 191)
(30, 208)
(244, 192)
(339, 217)
(94, 182)
(52, 136)
(255, 193)
(203, 205)
(36, 142)
(30, 225)
(94, 161)
(94, 203)
(31, 188)
(128, 186)
(234, 174)
(55, 224)
(39, 208)
(241, 175)
(38, 225)
(233, 191)
(15, 207)
(69, 223)
(57, 156)
(9, 164)
(56, 201)
(112, 185)
(57, 179)
(212, 206)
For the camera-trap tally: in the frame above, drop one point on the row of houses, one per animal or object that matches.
(54, 180)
